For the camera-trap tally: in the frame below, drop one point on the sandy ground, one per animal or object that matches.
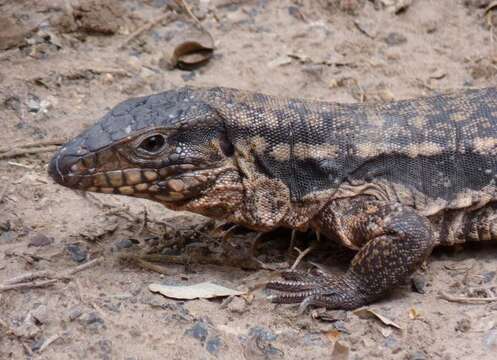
(61, 68)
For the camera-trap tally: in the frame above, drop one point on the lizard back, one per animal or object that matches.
(431, 153)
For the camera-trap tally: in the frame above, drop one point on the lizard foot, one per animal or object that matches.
(319, 289)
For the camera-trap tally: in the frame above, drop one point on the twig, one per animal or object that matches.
(302, 254)
(32, 284)
(30, 151)
(13, 163)
(306, 251)
(292, 243)
(188, 10)
(48, 341)
(33, 144)
(4, 190)
(82, 267)
(29, 277)
(26, 280)
(146, 27)
(466, 300)
(141, 262)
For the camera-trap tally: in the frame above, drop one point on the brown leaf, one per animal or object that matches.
(192, 48)
(365, 313)
(333, 335)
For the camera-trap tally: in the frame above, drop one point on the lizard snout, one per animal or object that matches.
(65, 166)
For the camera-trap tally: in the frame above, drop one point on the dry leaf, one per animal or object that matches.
(333, 335)
(414, 314)
(205, 290)
(340, 352)
(365, 313)
(193, 48)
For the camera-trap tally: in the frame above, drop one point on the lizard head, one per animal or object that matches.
(170, 147)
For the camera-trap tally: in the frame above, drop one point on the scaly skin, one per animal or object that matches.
(389, 180)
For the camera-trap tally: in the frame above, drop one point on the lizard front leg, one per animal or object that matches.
(393, 240)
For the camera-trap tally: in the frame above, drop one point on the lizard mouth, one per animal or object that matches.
(166, 184)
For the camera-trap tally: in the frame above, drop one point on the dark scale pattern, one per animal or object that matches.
(437, 147)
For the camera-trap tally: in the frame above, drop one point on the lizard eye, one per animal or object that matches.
(153, 144)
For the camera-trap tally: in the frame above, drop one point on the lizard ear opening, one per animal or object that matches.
(226, 145)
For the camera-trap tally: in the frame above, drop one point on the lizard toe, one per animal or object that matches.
(291, 286)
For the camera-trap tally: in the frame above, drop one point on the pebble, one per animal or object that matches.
(78, 253)
(463, 325)
(37, 344)
(394, 39)
(390, 342)
(262, 333)
(41, 314)
(74, 313)
(39, 240)
(92, 320)
(214, 344)
(488, 276)
(367, 26)
(418, 283)
(490, 340)
(418, 355)
(237, 305)
(198, 331)
(105, 346)
(33, 103)
(123, 244)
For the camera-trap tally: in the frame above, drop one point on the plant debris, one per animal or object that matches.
(205, 290)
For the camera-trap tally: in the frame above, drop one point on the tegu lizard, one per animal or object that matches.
(389, 180)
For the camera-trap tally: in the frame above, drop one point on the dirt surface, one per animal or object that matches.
(63, 64)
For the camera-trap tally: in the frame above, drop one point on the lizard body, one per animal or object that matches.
(389, 180)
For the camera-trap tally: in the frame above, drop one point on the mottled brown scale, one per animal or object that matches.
(389, 180)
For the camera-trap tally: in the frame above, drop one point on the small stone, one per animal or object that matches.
(124, 244)
(314, 70)
(482, 71)
(78, 253)
(262, 333)
(74, 313)
(430, 27)
(39, 240)
(214, 344)
(463, 325)
(41, 314)
(418, 283)
(390, 342)
(395, 6)
(394, 39)
(105, 346)
(296, 13)
(33, 103)
(367, 26)
(237, 305)
(37, 344)
(490, 340)
(418, 355)
(489, 276)
(92, 320)
(199, 331)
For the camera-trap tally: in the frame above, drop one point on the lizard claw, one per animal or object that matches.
(331, 291)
